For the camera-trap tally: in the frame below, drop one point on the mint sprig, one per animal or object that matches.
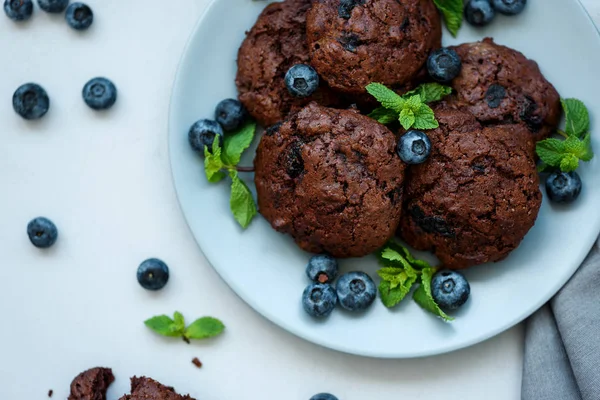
(452, 10)
(201, 328)
(400, 272)
(222, 162)
(576, 146)
(410, 109)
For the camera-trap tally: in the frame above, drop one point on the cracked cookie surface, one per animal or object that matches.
(476, 196)
(355, 42)
(332, 180)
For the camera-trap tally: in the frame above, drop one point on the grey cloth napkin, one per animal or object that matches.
(562, 340)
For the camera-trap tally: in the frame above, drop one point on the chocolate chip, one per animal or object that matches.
(528, 114)
(294, 162)
(273, 129)
(346, 6)
(350, 42)
(494, 95)
(431, 224)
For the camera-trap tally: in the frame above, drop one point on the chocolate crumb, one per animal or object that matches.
(50, 393)
(197, 362)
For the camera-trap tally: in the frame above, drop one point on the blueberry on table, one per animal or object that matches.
(323, 396)
(563, 187)
(301, 80)
(322, 268)
(231, 114)
(53, 6)
(444, 65)
(356, 291)
(79, 16)
(99, 94)
(31, 101)
(509, 7)
(153, 274)
(319, 299)
(18, 10)
(479, 12)
(42, 232)
(203, 133)
(414, 147)
(450, 289)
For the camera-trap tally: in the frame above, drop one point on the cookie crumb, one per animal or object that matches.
(50, 393)
(197, 362)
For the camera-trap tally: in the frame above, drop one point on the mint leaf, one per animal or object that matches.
(203, 328)
(430, 92)
(575, 147)
(241, 201)
(407, 118)
(452, 10)
(383, 115)
(387, 97)
(392, 296)
(577, 117)
(569, 163)
(213, 163)
(425, 118)
(550, 151)
(165, 326)
(397, 275)
(587, 143)
(424, 298)
(237, 142)
(179, 321)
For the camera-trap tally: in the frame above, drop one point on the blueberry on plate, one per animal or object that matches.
(31, 101)
(42, 232)
(319, 299)
(479, 12)
(414, 147)
(509, 7)
(231, 114)
(301, 80)
(323, 396)
(563, 187)
(444, 64)
(450, 289)
(356, 291)
(18, 10)
(79, 16)
(322, 268)
(99, 94)
(153, 274)
(53, 6)
(203, 133)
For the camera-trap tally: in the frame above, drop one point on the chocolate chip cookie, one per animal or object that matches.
(143, 388)
(332, 180)
(476, 196)
(91, 384)
(355, 42)
(276, 42)
(500, 85)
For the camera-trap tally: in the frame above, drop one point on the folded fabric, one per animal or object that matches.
(562, 340)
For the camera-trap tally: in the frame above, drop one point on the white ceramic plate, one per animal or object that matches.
(266, 269)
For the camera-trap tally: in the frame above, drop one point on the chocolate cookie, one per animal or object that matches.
(148, 389)
(332, 180)
(276, 42)
(91, 384)
(355, 42)
(500, 85)
(477, 195)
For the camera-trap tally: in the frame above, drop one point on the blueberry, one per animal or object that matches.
(450, 289)
(350, 42)
(294, 160)
(563, 187)
(479, 12)
(356, 291)
(203, 133)
(231, 114)
(31, 101)
(509, 7)
(18, 10)
(79, 16)
(302, 80)
(322, 268)
(494, 95)
(323, 396)
(53, 6)
(444, 65)
(431, 224)
(42, 232)
(319, 299)
(99, 93)
(153, 274)
(346, 6)
(414, 147)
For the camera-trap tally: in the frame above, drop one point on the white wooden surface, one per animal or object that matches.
(105, 180)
